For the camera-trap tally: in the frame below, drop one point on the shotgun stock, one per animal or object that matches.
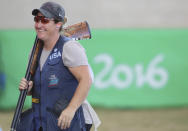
(77, 32)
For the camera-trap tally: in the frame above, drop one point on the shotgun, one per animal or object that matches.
(77, 31)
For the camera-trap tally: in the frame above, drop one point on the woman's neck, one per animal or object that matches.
(50, 43)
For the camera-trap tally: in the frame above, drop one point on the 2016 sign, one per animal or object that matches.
(130, 74)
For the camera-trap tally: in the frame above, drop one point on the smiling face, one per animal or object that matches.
(45, 28)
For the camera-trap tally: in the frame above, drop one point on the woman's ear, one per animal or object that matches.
(59, 24)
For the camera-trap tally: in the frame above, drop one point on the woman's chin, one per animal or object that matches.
(40, 36)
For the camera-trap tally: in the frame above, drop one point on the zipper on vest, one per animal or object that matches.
(40, 103)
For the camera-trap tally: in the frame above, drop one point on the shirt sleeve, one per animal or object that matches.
(74, 54)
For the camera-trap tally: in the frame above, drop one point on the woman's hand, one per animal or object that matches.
(24, 84)
(65, 118)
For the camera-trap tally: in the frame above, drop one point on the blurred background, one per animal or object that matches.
(138, 53)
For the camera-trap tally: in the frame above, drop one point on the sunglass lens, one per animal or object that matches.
(42, 19)
(36, 19)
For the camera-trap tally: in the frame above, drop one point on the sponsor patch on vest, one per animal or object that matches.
(53, 80)
(55, 54)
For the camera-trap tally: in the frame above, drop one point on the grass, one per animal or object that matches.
(171, 119)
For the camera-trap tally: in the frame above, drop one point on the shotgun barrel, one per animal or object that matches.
(29, 73)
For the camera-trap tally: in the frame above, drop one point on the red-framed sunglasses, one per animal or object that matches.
(43, 19)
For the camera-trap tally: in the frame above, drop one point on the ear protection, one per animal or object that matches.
(58, 26)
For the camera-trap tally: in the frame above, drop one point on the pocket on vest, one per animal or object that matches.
(52, 122)
(26, 121)
(60, 105)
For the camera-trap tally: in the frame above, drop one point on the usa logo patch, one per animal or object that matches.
(53, 81)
